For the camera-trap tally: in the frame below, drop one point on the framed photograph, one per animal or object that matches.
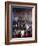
(20, 22)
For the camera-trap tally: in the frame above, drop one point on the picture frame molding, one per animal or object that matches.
(7, 22)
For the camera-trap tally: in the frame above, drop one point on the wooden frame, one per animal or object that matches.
(7, 22)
